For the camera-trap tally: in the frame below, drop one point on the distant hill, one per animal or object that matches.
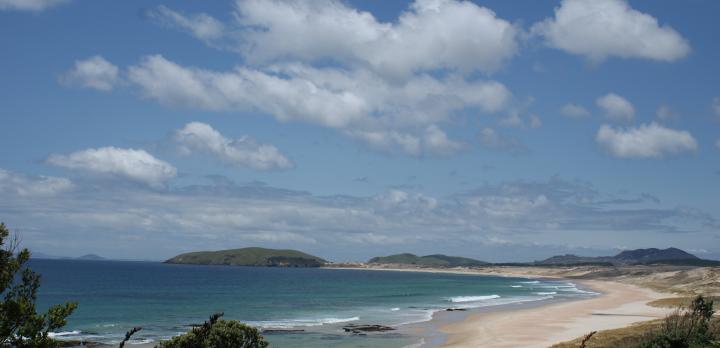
(437, 260)
(673, 256)
(654, 255)
(570, 259)
(257, 257)
(90, 257)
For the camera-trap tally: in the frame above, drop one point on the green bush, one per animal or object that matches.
(218, 334)
(691, 328)
(20, 325)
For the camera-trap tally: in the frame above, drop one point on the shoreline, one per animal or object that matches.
(619, 305)
(540, 324)
(531, 324)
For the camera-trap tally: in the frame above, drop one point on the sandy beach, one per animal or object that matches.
(618, 306)
(621, 302)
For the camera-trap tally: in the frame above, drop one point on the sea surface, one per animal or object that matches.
(165, 300)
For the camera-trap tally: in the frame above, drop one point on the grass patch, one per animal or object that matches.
(630, 336)
(676, 302)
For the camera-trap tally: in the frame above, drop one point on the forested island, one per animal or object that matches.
(255, 257)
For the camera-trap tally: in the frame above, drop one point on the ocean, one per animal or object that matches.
(165, 300)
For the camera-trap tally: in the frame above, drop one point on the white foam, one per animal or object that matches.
(461, 299)
(63, 333)
(571, 287)
(516, 286)
(141, 341)
(427, 315)
(395, 309)
(290, 323)
(532, 282)
(546, 293)
(504, 301)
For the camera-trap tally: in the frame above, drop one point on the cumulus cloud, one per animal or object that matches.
(201, 25)
(29, 5)
(574, 111)
(646, 141)
(599, 29)
(616, 107)
(491, 139)
(357, 102)
(32, 186)
(131, 164)
(432, 141)
(94, 72)
(391, 85)
(198, 137)
(431, 34)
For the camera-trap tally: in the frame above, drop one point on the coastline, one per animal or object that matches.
(532, 324)
(540, 324)
(618, 305)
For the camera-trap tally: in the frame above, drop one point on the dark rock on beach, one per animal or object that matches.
(360, 329)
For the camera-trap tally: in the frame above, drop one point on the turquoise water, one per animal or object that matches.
(165, 299)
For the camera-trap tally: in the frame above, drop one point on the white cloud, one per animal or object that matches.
(32, 186)
(201, 217)
(30, 5)
(717, 144)
(432, 141)
(94, 72)
(243, 152)
(201, 26)
(436, 141)
(516, 120)
(574, 111)
(599, 29)
(716, 105)
(389, 84)
(431, 34)
(357, 102)
(616, 107)
(645, 141)
(135, 165)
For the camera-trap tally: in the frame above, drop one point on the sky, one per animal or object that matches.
(503, 131)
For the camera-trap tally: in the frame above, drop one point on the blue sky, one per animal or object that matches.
(141, 129)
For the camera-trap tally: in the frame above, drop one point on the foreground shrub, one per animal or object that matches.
(217, 333)
(20, 325)
(690, 328)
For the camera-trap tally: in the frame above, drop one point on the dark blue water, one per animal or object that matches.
(165, 299)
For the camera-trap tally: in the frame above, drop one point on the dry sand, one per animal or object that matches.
(618, 306)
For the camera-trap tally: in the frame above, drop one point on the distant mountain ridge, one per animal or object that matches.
(255, 257)
(87, 257)
(435, 260)
(653, 254)
(90, 257)
(636, 256)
